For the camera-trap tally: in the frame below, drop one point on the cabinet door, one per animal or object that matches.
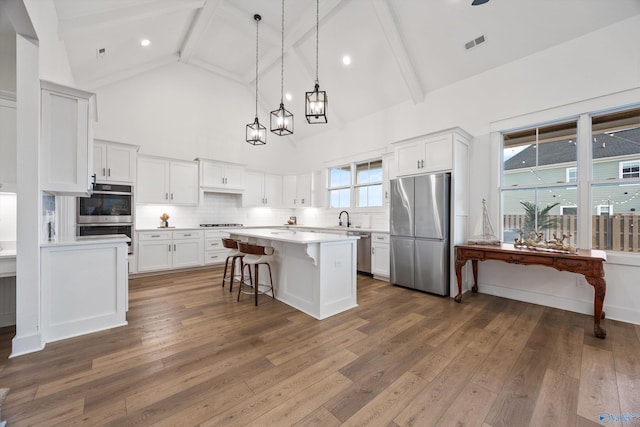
(409, 159)
(8, 141)
(100, 161)
(254, 194)
(212, 175)
(152, 182)
(234, 177)
(289, 191)
(438, 153)
(187, 253)
(184, 183)
(65, 147)
(273, 190)
(121, 163)
(380, 259)
(303, 190)
(154, 255)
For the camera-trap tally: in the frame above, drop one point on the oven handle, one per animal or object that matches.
(106, 224)
(115, 193)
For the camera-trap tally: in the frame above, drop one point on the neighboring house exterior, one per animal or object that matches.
(616, 156)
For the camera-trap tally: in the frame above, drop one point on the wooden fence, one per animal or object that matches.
(619, 232)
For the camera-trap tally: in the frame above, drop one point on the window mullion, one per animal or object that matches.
(583, 180)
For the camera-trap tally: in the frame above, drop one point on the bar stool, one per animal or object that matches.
(255, 255)
(234, 256)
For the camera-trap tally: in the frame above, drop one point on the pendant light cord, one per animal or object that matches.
(317, 35)
(282, 60)
(257, 18)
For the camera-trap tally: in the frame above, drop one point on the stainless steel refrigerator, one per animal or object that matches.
(420, 232)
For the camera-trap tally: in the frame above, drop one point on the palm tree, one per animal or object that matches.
(543, 220)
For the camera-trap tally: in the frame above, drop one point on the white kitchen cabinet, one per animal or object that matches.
(425, 154)
(114, 162)
(221, 177)
(380, 255)
(167, 181)
(166, 250)
(214, 251)
(263, 189)
(66, 148)
(388, 173)
(289, 191)
(8, 141)
(304, 190)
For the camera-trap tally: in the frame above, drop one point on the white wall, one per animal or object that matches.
(7, 58)
(184, 112)
(8, 218)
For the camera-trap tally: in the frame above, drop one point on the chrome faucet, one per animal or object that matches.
(340, 219)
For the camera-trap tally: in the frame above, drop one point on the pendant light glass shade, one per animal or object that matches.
(316, 103)
(281, 119)
(256, 133)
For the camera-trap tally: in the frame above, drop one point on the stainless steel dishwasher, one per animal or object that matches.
(364, 250)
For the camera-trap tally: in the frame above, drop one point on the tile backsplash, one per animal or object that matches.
(221, 208)
(8, 217)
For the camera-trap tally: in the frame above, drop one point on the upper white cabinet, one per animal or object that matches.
(304, 190)
(289, 191)
(8, 140)
(114, 162)
(263, 189)
(425, 154)
(167, 181)
(221, 177)
(66, 149)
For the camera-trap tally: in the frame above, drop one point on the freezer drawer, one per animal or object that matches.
(402, 261)
(432, 266)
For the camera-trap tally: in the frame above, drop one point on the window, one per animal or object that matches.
(340, 187)
(630, 169)
(604, 210)
(536, 165)
(366, 185)
(369, 184)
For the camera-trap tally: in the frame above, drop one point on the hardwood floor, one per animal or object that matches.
(192, 355)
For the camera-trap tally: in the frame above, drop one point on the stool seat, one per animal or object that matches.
(254, 256)
(234, 257)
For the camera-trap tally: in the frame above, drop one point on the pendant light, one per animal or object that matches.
(281, 119)
(256, 133)
(316, 103)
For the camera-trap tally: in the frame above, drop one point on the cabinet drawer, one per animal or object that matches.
(379, 238)
(215, 257)
(215, 234)
(154, 235)
(186, 234)
(213, 244)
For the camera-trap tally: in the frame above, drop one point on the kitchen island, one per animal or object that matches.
(313, 272)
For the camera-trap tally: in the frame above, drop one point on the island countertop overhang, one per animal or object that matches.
(291, 236)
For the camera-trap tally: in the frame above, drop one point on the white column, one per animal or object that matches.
(28, 334)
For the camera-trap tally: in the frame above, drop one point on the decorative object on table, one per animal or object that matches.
(533, 240)
(488, 236)
(165, 220)
(292, 220)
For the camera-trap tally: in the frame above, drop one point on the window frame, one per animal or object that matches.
(354, 186)
(625, 163)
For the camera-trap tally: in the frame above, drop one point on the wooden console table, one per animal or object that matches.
(589, 263)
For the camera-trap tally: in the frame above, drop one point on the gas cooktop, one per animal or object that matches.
(220, 225)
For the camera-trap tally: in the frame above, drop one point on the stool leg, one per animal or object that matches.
(224, 276)
(242, 280)
(256, 285)
(233, 273)
(271, 280)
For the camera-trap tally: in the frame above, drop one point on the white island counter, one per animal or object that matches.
(313, 272)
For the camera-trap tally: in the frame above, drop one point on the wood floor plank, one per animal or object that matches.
(598, 391)
(557, 403)
(193, 355)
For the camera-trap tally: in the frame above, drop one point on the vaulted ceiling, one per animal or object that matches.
(400, 49)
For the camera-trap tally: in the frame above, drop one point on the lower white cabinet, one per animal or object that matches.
(380, 255)
(84, 288)
(214, 251)
(165, 250)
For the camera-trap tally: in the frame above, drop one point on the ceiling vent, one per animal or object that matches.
(475, 42)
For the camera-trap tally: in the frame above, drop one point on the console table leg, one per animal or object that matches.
(474, 266)
(459, 264)
(600, 289)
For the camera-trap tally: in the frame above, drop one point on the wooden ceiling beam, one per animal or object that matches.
(197, 29)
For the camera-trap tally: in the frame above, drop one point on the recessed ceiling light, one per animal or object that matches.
(145, 42)
(288, 96)
(346, 60)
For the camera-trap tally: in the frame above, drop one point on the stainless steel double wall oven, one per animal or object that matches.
(109, 210)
